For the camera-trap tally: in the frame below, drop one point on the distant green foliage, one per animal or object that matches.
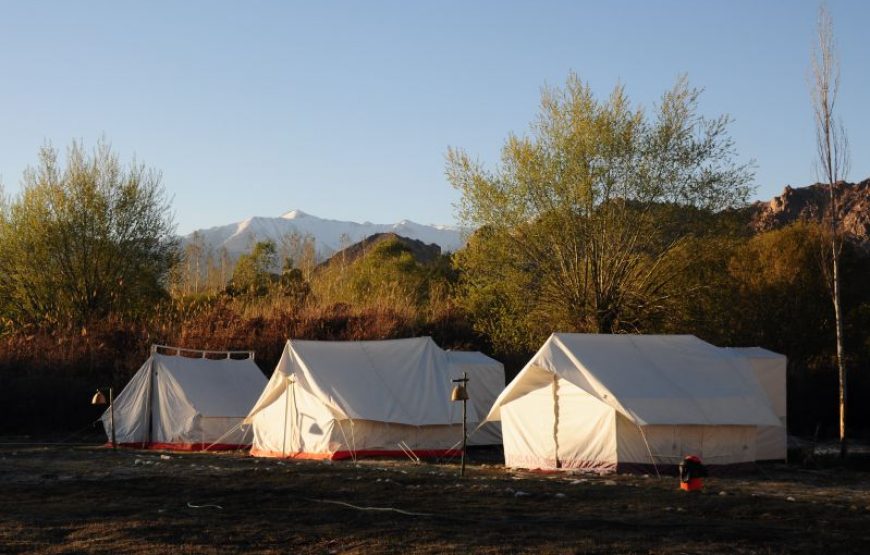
(253, 274)
(294, 286)
(84, 240)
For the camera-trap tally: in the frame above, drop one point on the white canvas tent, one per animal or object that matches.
(344, 399)
(184, 403)
(770, 369)
(609, 402)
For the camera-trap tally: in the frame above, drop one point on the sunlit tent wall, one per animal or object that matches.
(176, 401)
(615, 402)
(770, 369)
(343, 399)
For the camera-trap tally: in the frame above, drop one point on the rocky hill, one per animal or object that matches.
(422, 252)
(813, 202)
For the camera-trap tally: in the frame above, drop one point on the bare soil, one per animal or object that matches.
(61, 499)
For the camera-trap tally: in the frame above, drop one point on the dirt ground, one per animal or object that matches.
(61, 499)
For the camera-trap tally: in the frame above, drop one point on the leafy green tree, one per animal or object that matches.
(781, 291)
(253, 272)
(84, 239)
(577, 215)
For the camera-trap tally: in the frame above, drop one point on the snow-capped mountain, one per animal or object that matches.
(329, 235)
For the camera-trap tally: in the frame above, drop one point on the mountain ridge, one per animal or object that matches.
(330, 236)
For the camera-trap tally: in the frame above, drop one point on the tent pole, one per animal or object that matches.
(556, 420)
(148, 410)
(464, 427)
(296, 424)
(112, 416)
(286, 410)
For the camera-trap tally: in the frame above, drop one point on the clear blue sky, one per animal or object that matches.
(345, 110)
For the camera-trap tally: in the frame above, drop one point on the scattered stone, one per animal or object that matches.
(609, 482)
(560, 495)
(790, 499)
(722, 493)
(165, 457)
(521, 494)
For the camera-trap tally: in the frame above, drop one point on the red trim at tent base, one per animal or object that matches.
(344, 455)
(183, 446)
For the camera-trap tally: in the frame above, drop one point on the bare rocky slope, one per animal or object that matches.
(812, 203)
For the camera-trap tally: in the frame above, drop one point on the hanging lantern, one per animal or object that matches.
(99, 398)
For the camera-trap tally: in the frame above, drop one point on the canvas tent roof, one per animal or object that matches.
(650, 379)
(402, 381)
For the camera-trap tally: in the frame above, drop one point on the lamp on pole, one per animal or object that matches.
(100, 399)
(460, 393)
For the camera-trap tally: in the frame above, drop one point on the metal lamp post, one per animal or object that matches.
(100, 399)
(460, 393)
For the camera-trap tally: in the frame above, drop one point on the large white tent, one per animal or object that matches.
(343, 399)
(770, 369)
(609, 402)
(179, 402)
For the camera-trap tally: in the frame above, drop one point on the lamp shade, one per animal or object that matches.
(98, 398)
(459, 393)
